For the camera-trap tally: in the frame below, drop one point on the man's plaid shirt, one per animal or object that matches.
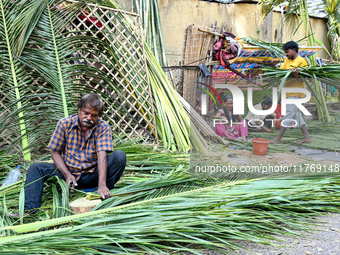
(79, 155)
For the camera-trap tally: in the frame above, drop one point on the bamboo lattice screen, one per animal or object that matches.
(130, 110)
(132, 113)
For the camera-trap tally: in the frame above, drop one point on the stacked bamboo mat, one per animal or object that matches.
(195, 52)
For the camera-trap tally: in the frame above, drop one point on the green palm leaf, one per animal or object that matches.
(51, 81)
(210, 217)
(18, 18)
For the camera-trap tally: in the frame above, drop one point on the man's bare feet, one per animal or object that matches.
(274, 141)
(305, 140)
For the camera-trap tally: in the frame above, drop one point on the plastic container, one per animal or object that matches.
(260, 146)
(12, 177)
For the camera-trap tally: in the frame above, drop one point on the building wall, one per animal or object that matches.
(241, 18)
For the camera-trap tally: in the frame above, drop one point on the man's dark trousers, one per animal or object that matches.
(40, 172)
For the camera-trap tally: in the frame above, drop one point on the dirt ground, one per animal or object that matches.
(269, 158)
(242, 157)
(324, 239)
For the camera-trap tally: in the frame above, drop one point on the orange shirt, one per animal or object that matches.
(294, 82)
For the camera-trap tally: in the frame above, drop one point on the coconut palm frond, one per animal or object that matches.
(274, 48)
(52, 79)
(52, 51)
(210, 217)
(18, 18)
(173, 123)
(332, 9)
(328, 74)
(264, 7)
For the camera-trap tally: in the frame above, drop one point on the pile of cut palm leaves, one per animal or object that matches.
(175, 212)
(159, 206)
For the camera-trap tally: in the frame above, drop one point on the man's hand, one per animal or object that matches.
(296, 73)
(104, 192)
(60, 164)
(71, 181)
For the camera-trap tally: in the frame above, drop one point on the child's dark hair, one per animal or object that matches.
(225, 99)
(267, 100)
(291, 45)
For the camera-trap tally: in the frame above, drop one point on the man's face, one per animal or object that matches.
(290, 54)
(88, 116)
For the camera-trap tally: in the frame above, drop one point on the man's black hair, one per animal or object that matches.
(291, 45)
(92, 100)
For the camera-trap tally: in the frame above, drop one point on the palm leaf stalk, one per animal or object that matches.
(46, 58)
(152, 27)
(307, 25)
(166, 115)
(14, 31)
(160, 34)
(274, 48)
(170, 110)
(210, 217)
(321, 106)
(328, 74)
(173, 123)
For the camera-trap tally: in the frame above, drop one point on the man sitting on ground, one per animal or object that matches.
(79, 148)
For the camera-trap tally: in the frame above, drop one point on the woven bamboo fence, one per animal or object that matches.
(131, 111)
(195, 52)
